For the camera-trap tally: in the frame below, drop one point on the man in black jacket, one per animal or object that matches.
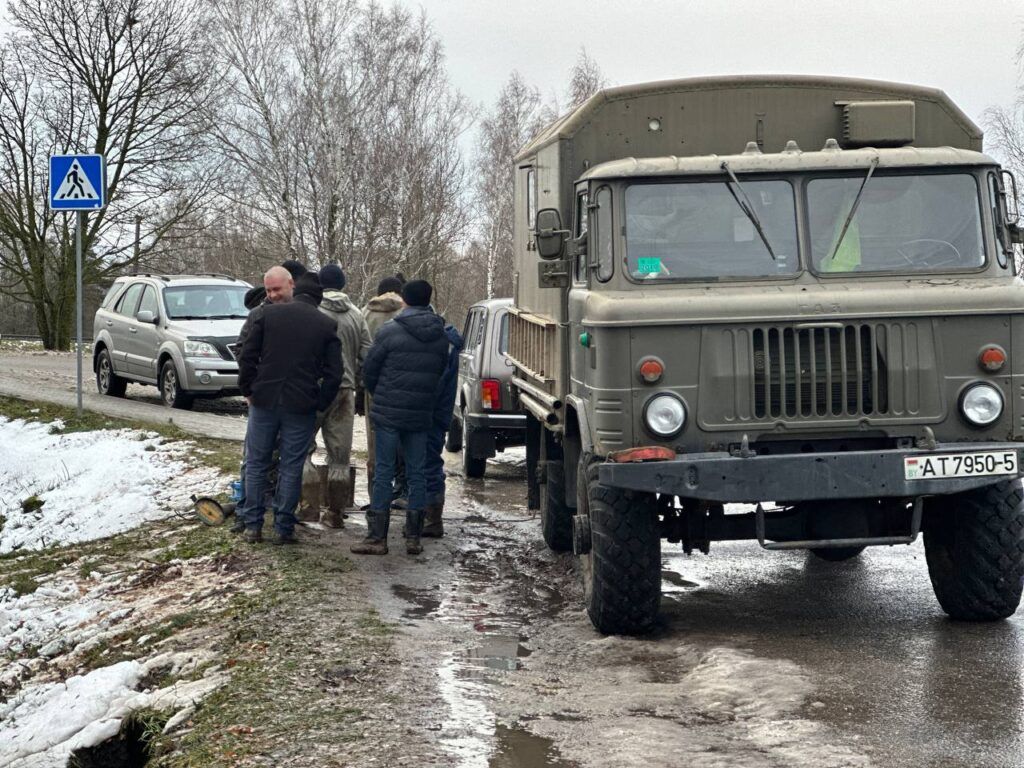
(289, 369)
(401, 372)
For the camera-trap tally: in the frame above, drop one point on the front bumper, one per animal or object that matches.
(210, 374)
(798, 477)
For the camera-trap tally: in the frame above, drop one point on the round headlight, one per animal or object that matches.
(982, 404)
(665, 415)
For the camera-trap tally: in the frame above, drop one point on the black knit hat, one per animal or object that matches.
(307, 284)
(417, 293)
(254, 297)
(389, 285)
(332, 278)
(295, 269)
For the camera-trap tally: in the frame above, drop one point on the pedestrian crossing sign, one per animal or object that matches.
(78, 182)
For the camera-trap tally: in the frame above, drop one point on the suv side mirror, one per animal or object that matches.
(145, 316)
(549, 235)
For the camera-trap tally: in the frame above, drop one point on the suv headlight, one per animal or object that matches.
(200, 349)
(981, 404)
(665, 415)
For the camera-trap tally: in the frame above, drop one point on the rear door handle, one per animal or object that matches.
(133, 330)
(110, 323)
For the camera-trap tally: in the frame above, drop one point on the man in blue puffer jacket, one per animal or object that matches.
(402, 372)
(444, 405)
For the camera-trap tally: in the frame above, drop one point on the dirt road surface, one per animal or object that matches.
(760, 659)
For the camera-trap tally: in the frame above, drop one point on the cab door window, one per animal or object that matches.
(579, 229)
(148, 302)
(126, 306)
(604, 249)
(998, 218)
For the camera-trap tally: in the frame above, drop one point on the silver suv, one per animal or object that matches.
(171, 331)
(487, 417)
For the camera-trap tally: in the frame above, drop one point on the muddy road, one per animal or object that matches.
(760, 659)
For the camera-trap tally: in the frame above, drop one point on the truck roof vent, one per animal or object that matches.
(752, 148)
(877, 123)
(792, 148)
(831, 145)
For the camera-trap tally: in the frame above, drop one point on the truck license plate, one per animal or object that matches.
(960, 465)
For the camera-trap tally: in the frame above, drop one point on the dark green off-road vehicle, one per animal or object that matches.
(797, 293)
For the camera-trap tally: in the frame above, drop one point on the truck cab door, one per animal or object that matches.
(578, 291)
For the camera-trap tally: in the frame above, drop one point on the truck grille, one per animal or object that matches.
(807, 373)
(820, 371)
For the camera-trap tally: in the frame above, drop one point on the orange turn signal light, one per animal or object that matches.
(645, 453)
(651, 370)
(992, 358)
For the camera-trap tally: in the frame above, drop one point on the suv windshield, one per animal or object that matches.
(903, 223)
(698, 230)
(205, 302)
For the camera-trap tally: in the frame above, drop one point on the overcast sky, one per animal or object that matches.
(966, 48)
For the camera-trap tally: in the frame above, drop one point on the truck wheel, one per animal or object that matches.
(171, 392)
(555, 515)
(471, 466)
(453, 438)
(622, 570)
(837, 554)
(974, 544)
(108, 382)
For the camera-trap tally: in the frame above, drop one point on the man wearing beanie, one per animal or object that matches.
(295, 269)
(402, 372)
(337, 422)
(289, 368)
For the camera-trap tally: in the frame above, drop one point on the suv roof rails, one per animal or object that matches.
(165, 278)
(216, 274)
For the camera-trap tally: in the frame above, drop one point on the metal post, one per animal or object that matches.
(78, 302)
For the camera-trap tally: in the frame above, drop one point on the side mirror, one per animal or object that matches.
(1010, 199)
(145, 316)
(549, 235)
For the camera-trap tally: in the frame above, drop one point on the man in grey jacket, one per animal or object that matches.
(337, 422)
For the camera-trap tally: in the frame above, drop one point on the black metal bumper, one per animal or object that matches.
(799, 477)
(509, 422)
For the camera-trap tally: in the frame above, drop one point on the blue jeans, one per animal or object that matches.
(414, 448)
(433, 467)
(291, 434)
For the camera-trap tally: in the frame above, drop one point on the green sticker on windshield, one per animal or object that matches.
(648, 265)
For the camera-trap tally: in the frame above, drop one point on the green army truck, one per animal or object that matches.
(794, 294)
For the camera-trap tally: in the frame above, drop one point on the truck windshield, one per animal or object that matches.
(695, 230)
(903, 223)
(205, 302)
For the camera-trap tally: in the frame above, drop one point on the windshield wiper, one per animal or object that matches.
(853, 208)
(747, 207)
(223, 317)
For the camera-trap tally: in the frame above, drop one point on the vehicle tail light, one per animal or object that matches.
(651, 370)
(490, 394)
(992, 358)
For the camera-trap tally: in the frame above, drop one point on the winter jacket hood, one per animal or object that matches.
(386, 302)
(422, 324)
(351, 329)
(337, 301)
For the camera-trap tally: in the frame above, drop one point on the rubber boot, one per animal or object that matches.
(376, 541)
(338, 493)
(309, 506)
(433, 527)
(413, 530)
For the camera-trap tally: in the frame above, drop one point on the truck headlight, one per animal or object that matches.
(200, 349)
(981, 404)
(665, 415)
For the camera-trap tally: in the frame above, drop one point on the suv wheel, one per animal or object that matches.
(170, 389)
(473, 467)
(108, 382)
(974, 544)
(555, 515)
(622, 569)
(453, 439)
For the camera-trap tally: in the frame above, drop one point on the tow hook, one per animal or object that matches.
(581, 534)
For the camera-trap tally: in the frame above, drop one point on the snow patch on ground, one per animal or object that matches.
(92, 484)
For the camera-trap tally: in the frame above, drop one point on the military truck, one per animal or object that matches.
(770, 308)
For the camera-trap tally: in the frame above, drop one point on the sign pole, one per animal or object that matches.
(78, 301)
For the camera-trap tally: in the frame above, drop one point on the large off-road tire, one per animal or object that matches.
(471, 466)
(974, 544)
(453, 438)
(555, 514)
(108, 382)
(171, 392)
(837, 554)
(622, 571)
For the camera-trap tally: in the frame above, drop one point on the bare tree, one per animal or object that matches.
(585, 79)
(121, 78)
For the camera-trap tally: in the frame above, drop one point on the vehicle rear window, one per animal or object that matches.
(130, 300)
(205, 302)
(503, 335)
(903, 223)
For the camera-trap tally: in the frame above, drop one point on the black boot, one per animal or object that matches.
(376, 541)
(413, 530)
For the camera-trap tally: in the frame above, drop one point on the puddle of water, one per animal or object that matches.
(424, 601)
(518, 748)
